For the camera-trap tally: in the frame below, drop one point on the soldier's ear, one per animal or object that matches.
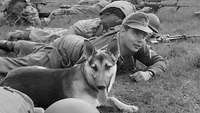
(89, 49)
(114, 49)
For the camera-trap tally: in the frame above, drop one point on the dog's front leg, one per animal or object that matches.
(114, 102)
(122, 106)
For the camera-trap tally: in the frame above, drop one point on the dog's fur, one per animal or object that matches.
(90, 81)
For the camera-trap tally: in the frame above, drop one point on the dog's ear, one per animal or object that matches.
(113, 48)
(89, 49)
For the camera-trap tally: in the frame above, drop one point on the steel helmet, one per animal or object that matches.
(71, 105)
(154, 22)
(126, 7)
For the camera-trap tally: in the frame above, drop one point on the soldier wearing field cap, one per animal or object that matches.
(134, 31)
(132, 37)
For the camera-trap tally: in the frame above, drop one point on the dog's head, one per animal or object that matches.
(100, 66)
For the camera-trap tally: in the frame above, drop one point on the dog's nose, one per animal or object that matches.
(101, 87)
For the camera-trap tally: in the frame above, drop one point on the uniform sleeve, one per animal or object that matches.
(84, 10)
(85, 28)
(156, 63)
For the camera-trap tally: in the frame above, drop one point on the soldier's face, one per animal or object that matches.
(110, 20)
(133, 39)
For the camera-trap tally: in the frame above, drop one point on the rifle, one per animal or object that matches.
(41, 2)
(158, 5)
(168, 38)
(102, 41)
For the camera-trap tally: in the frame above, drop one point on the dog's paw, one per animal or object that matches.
(130, 109)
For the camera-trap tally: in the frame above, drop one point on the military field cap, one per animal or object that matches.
(125, 7)
(139, 21)
(38, 35)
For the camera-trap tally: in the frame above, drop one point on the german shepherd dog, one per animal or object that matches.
(90, 81)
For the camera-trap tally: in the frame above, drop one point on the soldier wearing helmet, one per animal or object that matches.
(20, 12)
(110, 16)
(154, 22)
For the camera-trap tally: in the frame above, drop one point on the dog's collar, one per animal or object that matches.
(84, 76)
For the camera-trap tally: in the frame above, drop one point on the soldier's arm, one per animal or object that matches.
(154, 62)
(85, 28)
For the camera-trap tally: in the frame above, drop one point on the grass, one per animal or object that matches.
(178, 89)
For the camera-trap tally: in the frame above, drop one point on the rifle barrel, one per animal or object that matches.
(172, 38)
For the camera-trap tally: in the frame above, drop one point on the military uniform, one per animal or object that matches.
(61, 53)
(154, 62)
(86, 28)
(67, 51)
(82, 9)
(127, 63)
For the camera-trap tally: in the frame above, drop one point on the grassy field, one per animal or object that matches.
(176, 90)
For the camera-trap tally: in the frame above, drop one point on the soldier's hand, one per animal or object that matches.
(46, 20)
(141, 76)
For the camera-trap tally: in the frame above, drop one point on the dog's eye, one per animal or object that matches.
(94, 67)
(107, 67)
